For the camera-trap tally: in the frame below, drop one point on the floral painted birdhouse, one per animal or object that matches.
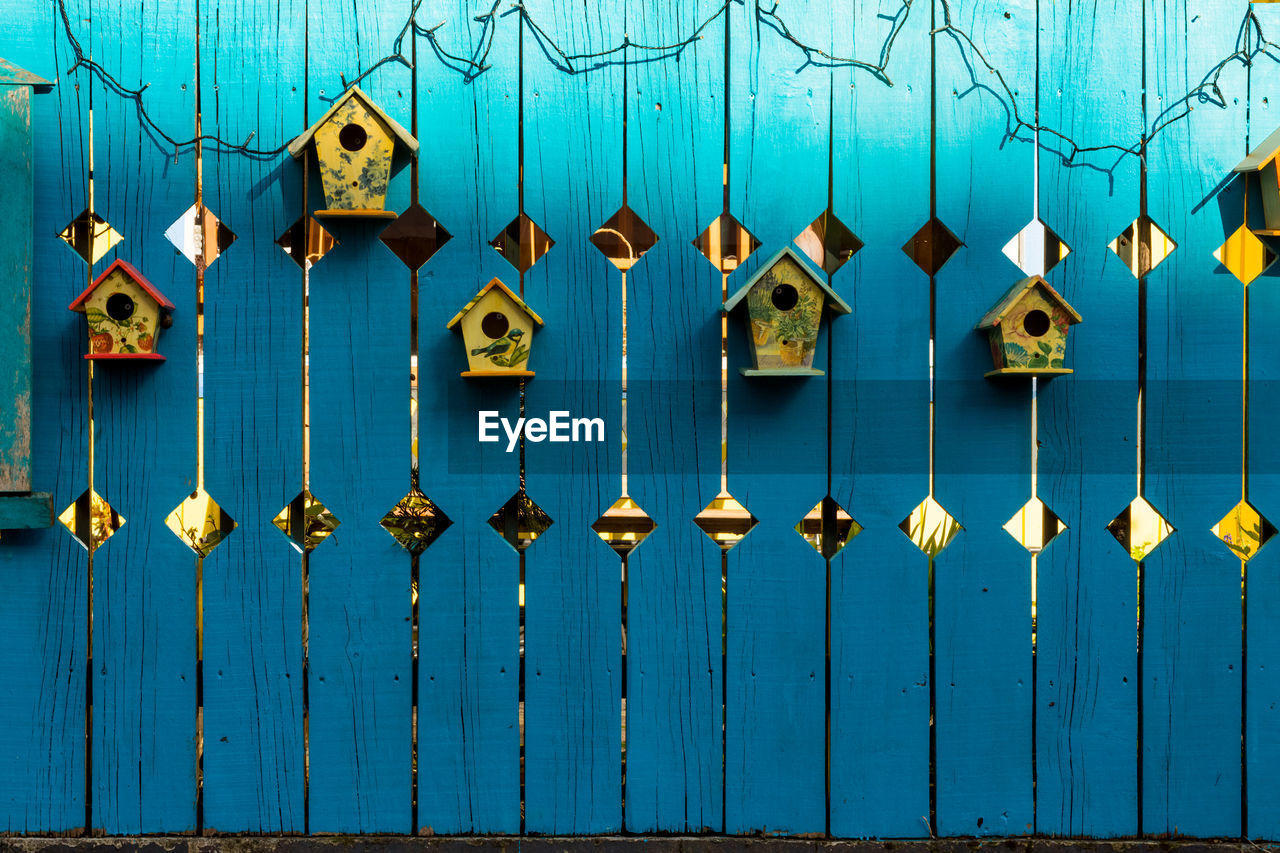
(125, 313)
(1262, 160)
(497, 329)
(1028, 329)
(785, 300)
(354, 142)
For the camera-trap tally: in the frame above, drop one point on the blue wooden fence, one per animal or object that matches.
(882, 695)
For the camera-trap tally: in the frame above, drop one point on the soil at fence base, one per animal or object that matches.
(605, 844)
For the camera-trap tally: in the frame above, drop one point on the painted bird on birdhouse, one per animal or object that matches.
(354, 142)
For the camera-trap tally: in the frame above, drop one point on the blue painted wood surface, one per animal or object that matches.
(15, 293)
(469, 640)
(880, 440)
(1084, 766)
(144, 607)
(675, 773)
(253, 744)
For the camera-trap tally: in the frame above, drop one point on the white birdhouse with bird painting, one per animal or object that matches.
(497, 330)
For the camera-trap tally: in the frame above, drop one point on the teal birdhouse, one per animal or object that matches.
(20, 507)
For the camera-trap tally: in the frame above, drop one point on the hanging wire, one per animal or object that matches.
(1251, 43)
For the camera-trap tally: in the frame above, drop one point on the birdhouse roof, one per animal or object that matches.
(466, 309)
(1260, 156)
(838, 305)
(298, 146)
(1014, 295)
(12, 75)
(131, 271)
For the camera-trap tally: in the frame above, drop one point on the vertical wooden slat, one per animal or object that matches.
(982, 471)
(42, 572)
(360, 635)
(468, 728)
(674, 673)
(1192, 701)
(880, 436)
(1086, 711)
(776, 706)
(572, 171)
(1262, 698)
(144, 656)
(253, 750)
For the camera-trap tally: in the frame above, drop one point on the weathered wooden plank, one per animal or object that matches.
(469, 641)
(253, 747)
(144, 612)
(360, 608)
(42, 572)
(880, 435)
(572, 167)
(1086, 710)
(675, 765)
(776, 636)
(982, 443)
(1192, 701)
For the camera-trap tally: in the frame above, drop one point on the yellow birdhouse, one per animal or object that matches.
(125, 313)
(785, 302)
(354, 142)
(1028, 328)
(497, 329)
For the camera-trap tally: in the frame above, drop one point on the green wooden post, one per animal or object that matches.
(19, 506)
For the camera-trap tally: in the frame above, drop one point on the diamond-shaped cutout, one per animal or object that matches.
(1244, 530)
(91, 520)
(725, 521)
(522, 242)
(306, 522)
(1244, 255)
(932, 246)
(624, 526)
(306, 242)
(199, 235)
(1140, 528)
(1034, 526)
(416, 521)
(726, 243)
(200, 523)
(1142, 246)
(930, 527)
(827, 527)
(624, 238)
(520, 521)
(828, 242)
(89, 236)
(415, 236)
(1036, 249)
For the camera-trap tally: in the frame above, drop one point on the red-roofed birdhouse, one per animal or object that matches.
(125, 314)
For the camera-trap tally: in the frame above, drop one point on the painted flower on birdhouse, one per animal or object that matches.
(497, 330)
(1028, 329)
(354, 142)
(785, 303)
(125, 314)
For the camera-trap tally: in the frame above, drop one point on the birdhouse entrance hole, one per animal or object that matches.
(120, 307)
(1036, 323)
(353, 137)
(785, 297)
(495, 324)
